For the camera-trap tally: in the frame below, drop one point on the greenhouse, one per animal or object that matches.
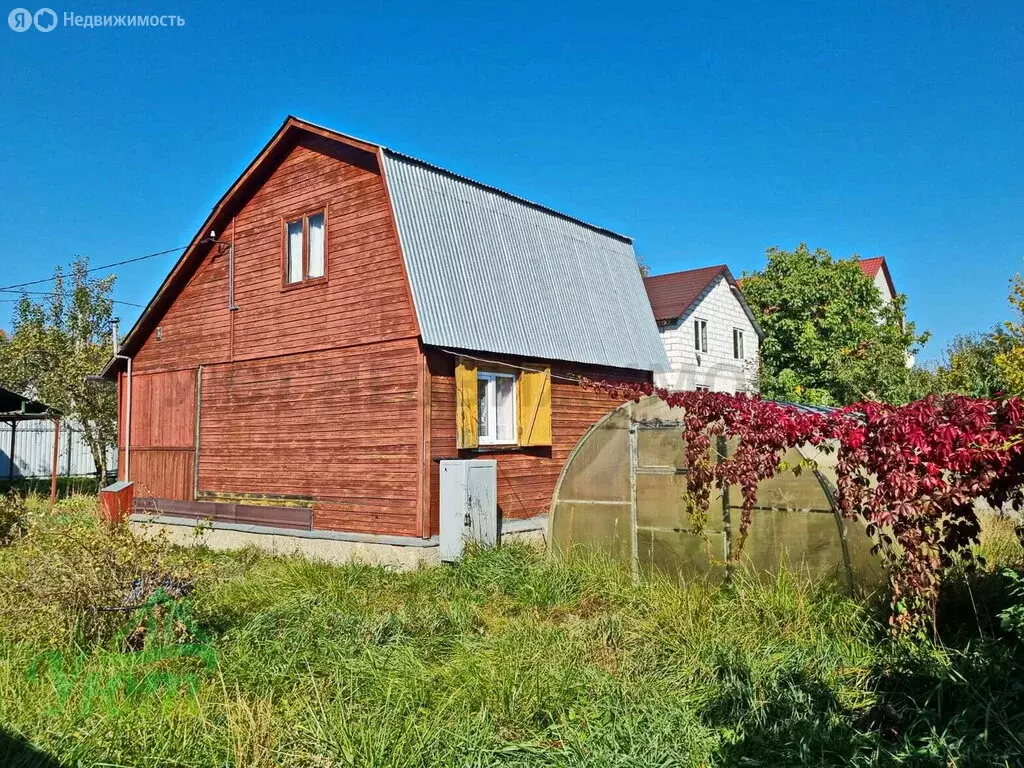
(623, 487)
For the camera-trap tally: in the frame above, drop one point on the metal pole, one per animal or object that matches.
(56, 458)
(635, 554)
(10, 464)
(722, 451)
(199, 415)
(70, 441)
(128, 404)
(128, 428)
(231, 274)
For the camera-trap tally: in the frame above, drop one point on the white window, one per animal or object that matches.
(702, 388)
(737, 343)
(305, 248)
(700, 335)
(293, 272)
(496, 408)
(315, 257)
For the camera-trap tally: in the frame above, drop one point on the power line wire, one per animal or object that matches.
(112, 301)
(96, 269)
(572, 379)
(66, 294)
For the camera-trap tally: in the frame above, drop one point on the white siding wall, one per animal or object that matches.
(883, 286)
(717, 368)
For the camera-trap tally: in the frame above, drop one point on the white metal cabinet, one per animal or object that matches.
(469, 505)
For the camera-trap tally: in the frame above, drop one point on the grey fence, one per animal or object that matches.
(26, 450)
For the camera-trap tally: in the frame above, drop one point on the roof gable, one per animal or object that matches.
(671, 296)
(870, 267)
(489, 271)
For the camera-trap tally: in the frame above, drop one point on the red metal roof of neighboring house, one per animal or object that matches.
(871, 266)
(672, 294)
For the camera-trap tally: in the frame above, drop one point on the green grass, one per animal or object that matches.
(508, 658)
(66, 486)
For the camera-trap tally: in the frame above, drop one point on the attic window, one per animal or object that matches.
(737, 343)
(305, 246)
(700, 335)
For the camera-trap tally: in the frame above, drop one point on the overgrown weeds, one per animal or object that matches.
(13, 518)
(508, 658)
(78, 582)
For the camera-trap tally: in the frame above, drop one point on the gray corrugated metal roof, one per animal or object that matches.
(494, 273)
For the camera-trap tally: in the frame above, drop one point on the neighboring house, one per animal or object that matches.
(358, 316)
(710, 334)
(878, 271)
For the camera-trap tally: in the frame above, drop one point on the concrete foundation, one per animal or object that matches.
(399, 552)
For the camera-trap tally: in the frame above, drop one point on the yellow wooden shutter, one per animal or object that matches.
(535, 407)
(467, 420)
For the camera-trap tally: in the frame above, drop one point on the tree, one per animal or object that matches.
(643, 266)
(58, 340)
(969, 368)
(1010, 359)
(830, 338)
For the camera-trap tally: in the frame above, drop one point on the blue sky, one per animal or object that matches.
(706, 131)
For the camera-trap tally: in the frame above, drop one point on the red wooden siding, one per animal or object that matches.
(307, 391)
(163, 434)
(338, 428)
(526, 477)
(163, 474)
(364, 299)
(196, 328)
(164, 408)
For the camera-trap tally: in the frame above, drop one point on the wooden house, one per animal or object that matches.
(346, 317)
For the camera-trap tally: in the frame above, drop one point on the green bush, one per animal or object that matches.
(82, 582)
(1013, 617)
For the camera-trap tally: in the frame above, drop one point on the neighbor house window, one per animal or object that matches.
(737, 343)
(496, 408)
(702, 388)
(305, 245)
(700, 335)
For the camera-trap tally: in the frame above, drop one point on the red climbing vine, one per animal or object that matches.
(911, 472)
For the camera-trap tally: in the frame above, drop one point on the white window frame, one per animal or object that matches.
(701, 388)
(700, 335)
(302, 257)
(490, 419)
(738, 350)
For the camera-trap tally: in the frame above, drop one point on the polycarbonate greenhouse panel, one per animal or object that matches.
(623, 491)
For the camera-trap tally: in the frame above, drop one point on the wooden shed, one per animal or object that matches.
(346, 317)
